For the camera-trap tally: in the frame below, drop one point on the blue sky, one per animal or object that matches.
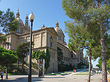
(46, 12)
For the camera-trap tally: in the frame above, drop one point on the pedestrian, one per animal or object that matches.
(74, 70)
(99, 71)
(96, 71)
(2, 75)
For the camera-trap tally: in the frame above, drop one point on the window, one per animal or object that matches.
(50, 41)
(59, 37)
(50, 38)
(8, 39)
(21, 30)
(8, 46)
(71, 55)
(50, 44)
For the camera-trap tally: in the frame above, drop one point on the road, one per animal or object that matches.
(54, 78)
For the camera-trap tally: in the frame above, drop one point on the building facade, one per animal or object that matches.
(43, 38)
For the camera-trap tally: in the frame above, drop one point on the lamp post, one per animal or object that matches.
(53, 66)
(31, 17)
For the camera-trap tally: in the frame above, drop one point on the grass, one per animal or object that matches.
(82, 73)
(15, 74)
(59, 73)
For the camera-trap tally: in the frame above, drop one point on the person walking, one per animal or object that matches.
(96, 72)
(99, 71)
(2, 75)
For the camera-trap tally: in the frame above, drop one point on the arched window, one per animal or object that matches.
(50, 38)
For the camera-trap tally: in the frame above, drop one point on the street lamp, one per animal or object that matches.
(53, 66)
(31, 17)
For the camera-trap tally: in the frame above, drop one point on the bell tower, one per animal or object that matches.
(26, 21)
(17, 14)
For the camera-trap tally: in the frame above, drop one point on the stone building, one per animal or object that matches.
(43, 38)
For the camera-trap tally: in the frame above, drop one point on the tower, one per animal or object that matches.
(60, 33)
(26, 21)
(20, 23)
(27, 28)
(17, 14)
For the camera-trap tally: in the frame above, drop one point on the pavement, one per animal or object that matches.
(54, 78)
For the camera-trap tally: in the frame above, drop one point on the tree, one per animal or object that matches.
(8, 24)
(37, 54)
(91, 11)
(107, 46)
(7, 57)
(47, 60)
(80, 64)
(7, 21)
(60, 54)
(99, 64)
(81, 37)
(2, 38)
(22, 49)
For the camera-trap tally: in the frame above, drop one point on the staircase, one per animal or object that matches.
(33, 71)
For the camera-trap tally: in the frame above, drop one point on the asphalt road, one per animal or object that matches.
(54, 78)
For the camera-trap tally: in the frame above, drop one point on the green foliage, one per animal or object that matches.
(7, 21)
(84, 29)
(99, 63)
(47, 60)
(2, 38)
(108, 64)
(64, 67)
(34, 65)
(94, 17)
(37, 54)
(13, 70)
(60, 54)
(107, 46)
(22, 49)
(7, 57)
(81, 64)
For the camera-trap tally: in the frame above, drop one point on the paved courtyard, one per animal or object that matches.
(53, 78)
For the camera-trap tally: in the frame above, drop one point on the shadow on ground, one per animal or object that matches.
(25, 79)
(22, 79)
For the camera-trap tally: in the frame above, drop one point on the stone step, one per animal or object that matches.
(33, 70)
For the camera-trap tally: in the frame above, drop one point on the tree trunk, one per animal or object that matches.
(89, 66)
(22, 64)
(7, 72)
(103, 53)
